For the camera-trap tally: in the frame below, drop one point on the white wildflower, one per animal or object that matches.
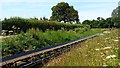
(1, 37)
(106, 32)
(97, 49)
(101, 53)
(105, 65)
(98, 43)
(107, 48)
(119, 64)
(111, 56)
(108, 57)
(116, 40)
(116, 48)
(106, 38)
(101, 34)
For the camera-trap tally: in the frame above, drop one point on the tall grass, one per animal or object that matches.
(100, 51)
(35, 39)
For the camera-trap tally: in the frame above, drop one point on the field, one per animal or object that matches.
(99, 51)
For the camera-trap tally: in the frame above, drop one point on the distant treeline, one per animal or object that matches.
(103, 23)
(113, 21)
(21, 24)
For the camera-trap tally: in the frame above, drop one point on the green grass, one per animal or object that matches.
(35, 39)
(92, 52)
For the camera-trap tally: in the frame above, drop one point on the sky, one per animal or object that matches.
(87, 9)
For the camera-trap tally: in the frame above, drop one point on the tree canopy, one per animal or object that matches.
(113, 21)
(100, 23)
(116, 12)
(63, 12)
(116, 16)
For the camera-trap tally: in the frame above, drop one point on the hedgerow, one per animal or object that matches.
(17, 24)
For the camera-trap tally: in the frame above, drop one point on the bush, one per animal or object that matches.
(81, 30)
(34, 39)
(17, 24)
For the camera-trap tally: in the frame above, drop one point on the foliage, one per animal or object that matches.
(22, 42)
(93, 52)
(110, 22)
(116, 12)
(81, 30)
(63, 12)
(100, 23)
(116, 16)
(35, 39)
(18, 24)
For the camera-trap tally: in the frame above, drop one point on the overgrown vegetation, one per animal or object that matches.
(63, 26)
(100, 51)
(17, 24)
(34, 39)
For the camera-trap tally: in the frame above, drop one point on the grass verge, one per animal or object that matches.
(99, 51)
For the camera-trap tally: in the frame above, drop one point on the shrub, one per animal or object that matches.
(18, 24)
(34, 39)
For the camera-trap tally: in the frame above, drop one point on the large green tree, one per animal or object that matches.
(116, 17)
(63, 12)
